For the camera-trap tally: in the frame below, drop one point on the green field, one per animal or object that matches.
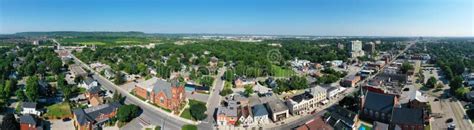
(282, 72)
(104, 40)
(189, 127)
(59, 110)
(92, 43)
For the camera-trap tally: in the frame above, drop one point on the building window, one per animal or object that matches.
(162, 100)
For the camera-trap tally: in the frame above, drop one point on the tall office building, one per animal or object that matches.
(356, 49)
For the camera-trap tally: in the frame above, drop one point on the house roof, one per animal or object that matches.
(28, 119)
(157, 85)
(343, 115)
(246, 111)
(259, 110)
(90, 114)
(301, 97)
(379, 102)
(94, 90)
(28, 105)
(231, 111)
(277, 106)
(88, 80)
(318, 124)
(417, 95)
(407, 116)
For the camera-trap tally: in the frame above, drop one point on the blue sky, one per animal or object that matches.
(297, 17)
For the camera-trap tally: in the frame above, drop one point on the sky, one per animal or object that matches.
(273, 17)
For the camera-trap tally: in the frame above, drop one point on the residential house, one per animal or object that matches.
(109, 74)
(246, 117)
(30, 122)
(229, 114)
(88, 83)
(29, 108)
(93, 96)
(94, 117)
(260, 114)
(162, 93)
(377, 106)
(408, 119)
(278, 110)
(241, 82)
(350, 81)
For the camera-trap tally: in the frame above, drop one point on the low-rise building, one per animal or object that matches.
(29, 108)
(278, 110)
(408, 119)
(30, 122)
(94, 117)
(332, 92)
(317, 123)
(301, 104)
(417, 100)
(162, 93)
(260, 114)
(241, 82)
(228, 115)
(341, 118)
(88, 83)
(350, 81)
(109, 74)
(246, 118)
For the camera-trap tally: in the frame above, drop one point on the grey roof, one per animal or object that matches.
(88, 80)
(259, 110)
(94, 90)
(157, 85)
(90, 114)
(301, 97)
(379, 102)
(407, 116)
(28, 105)
(417, 95)
(276, 106)
(232, 111)
(343, 115)
(28, 119)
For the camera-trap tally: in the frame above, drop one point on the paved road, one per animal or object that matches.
(151, 113)
(213, 101)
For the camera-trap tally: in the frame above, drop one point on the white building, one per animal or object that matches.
(29, 108)
(333, 91)
(88, 83)
(356, 49)
(246, 118)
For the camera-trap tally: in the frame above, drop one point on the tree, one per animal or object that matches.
(439, 85)
(118, 78)
(455, 84)
(248, 90)
(197, 111)
(32, 88)
(431, 82)
(9, 123)
(20, 95)
(189, 127)
(127, 112)
(405, 67)
(207, 80)
(460, 92)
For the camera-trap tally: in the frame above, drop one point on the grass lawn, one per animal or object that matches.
(59, 110)
(282, 72)
(189, 127)
(187, 114)
(191, 101)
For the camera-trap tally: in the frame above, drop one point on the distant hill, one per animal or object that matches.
(76, 33)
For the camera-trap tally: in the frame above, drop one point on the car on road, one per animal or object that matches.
(449, 120)
(451, 126)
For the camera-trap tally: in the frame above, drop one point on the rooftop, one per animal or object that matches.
(276, 106)
(379, 102)
(407, 116)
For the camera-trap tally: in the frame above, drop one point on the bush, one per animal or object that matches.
(197, 109)
(127, 112)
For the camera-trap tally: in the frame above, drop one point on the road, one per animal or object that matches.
(152, 114)
(213, 101)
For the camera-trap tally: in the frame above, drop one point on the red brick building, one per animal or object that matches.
(94, 117)
(29, 122)
(162, 93)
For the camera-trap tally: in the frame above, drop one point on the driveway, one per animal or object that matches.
(197, 96)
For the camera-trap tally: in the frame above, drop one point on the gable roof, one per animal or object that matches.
(259, 110)
(407, 116)
(28, 105)
(28, 119)
(157, 85)
(90, 114)
(379, 102)
(246, 111)
(94, 90)
(88, 80)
